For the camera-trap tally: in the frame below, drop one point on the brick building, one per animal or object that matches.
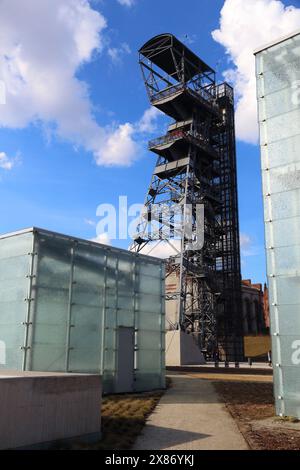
(255, 304)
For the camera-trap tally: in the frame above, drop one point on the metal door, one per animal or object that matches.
(125, 360)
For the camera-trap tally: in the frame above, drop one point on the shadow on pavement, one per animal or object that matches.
(162, 438)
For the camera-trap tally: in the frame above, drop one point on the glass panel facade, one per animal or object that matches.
(80, 294)
(278, 91)
(15, 262)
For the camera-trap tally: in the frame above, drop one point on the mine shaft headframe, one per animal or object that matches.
(168, 63)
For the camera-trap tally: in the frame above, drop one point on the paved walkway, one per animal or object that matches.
(190, 416)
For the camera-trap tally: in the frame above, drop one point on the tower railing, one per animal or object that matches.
(192, 137)
(200, 94)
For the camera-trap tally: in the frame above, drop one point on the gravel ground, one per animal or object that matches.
(251, 404)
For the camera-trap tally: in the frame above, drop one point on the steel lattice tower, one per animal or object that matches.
(196, 167)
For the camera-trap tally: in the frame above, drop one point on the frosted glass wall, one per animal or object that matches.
(63, 300)
(278, 89)
(14, 290)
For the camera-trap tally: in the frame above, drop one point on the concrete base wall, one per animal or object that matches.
(181, 349)
(37, 408)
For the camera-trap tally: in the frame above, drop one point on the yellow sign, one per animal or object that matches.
(256, 346)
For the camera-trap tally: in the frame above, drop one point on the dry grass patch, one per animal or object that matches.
(123, 418)
(248, 400)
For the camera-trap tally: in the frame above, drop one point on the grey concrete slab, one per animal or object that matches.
(190, 416)
(38, 408)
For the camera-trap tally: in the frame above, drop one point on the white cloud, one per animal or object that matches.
(127, 3)
(245, 242)
(90, 222)
(148, 122)
(119, 147)
(6, 162)
(103, 239)
(248, 246)
(163, 249)
(123, 143)
(43, 44)
(244, 27)
(116, 53)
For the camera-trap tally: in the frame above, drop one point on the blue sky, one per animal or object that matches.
(54, 172)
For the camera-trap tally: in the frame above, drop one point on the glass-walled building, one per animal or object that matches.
(70, 305)
(278, 91)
